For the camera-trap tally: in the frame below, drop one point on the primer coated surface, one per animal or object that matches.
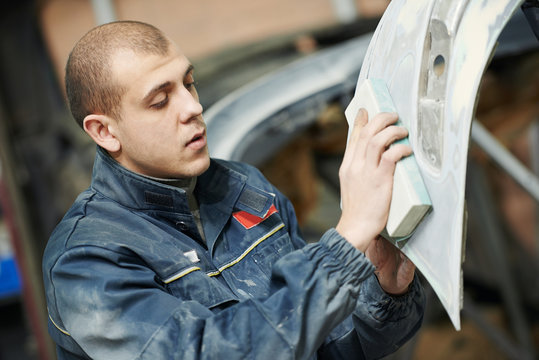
(432, 55)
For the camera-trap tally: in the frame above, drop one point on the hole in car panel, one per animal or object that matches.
(438, 66)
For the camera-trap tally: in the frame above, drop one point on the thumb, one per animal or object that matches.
(362, 118)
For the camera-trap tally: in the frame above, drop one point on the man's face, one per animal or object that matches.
(161, 130)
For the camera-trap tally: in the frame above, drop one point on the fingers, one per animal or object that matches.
(407, 266)
(379, 144)
(373, 134)
(370, 139)
(373, 251)
(394, 270)
(406, 272)
(379, 252)
(380, 122)
(366, 178)
(391, 156)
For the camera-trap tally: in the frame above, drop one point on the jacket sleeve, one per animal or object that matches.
(380, 324)
(110, 304)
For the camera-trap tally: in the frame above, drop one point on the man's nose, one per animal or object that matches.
(190, 107)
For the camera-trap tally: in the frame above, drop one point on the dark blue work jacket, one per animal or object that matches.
(128, 277)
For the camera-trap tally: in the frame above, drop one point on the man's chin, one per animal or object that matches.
(206, 167)
(200, 166)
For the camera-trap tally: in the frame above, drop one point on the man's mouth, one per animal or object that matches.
(198, 141)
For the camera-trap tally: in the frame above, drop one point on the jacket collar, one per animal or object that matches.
(218, 188)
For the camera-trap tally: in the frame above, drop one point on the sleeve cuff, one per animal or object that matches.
(385, 307)
(339, 256)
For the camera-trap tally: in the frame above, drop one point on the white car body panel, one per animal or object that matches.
(434, 85)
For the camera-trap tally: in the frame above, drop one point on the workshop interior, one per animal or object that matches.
(243, 52)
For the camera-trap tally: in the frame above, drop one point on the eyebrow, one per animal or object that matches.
(166, 84)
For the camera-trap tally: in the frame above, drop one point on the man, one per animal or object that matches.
(171, 255)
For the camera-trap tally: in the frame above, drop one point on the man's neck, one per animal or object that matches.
(187, 184)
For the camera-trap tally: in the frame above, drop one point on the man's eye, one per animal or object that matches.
(190, 85)
(160, 104)
(189, 81)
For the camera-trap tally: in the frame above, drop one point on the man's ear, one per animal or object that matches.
(101, 129)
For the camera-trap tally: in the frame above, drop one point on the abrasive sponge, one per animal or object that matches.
(410, 201)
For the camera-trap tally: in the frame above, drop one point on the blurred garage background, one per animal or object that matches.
(45, 160)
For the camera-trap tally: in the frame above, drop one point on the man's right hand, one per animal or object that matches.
(366, 176)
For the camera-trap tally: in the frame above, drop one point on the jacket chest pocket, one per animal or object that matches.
(195, 285)
(271, 250)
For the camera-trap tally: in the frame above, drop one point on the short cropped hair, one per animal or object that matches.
(88, 78)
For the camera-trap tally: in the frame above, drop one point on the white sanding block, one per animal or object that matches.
(410, 201)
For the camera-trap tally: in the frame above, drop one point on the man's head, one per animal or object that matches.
(130, 88)
(88, 71)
